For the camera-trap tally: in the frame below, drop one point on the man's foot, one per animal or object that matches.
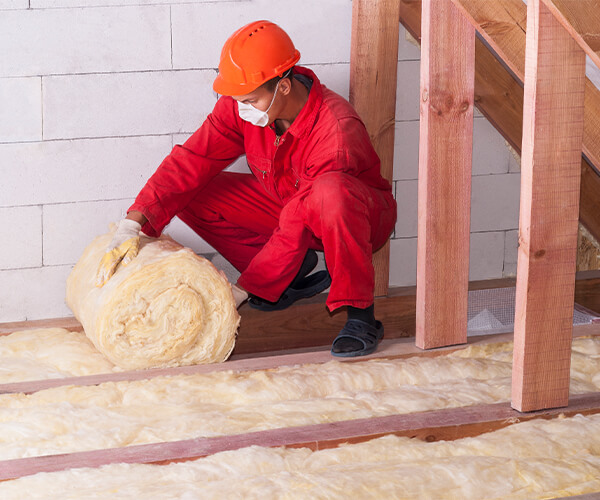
(302, 286)
(357, 338)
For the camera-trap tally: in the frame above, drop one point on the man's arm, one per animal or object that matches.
(216, 144)
(190, 167)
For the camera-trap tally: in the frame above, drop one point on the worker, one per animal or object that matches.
(315, 186)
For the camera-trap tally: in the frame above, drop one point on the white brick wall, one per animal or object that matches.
(13, 4)
(486, 255)
(403, 256)
(46, 4)
(36, 293)
(406, 199)
(84, 220)
(95, 93)
(407, 90)
(81, 170)
(61, 41)
(24, 248)
(20, 109)
(322, 26)
(122, 104)
(495, 202)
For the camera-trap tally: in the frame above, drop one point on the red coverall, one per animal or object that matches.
(317, 186)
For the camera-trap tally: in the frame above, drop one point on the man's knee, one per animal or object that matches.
(332, 195)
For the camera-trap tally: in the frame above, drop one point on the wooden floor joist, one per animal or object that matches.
(447, 424)
(308, 324)
(389, 349)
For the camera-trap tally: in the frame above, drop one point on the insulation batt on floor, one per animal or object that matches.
(538, 459)
(75, 418)
(49, 353)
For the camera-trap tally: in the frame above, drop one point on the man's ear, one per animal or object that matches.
(285, 85)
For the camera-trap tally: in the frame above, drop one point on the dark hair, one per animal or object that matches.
(272, 83)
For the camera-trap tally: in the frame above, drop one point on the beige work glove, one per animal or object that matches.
(239, 295)
(122, 249)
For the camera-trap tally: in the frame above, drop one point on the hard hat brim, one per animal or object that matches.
(223, 87)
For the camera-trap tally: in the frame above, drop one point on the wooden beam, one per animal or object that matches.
(587, 292)
(447, 424)
(498, 96)
(445, 151)
(389, 349)
(68, 323)
(373, 69)
(307, 324)
(552, 137)
(502, 23)
(581, 18)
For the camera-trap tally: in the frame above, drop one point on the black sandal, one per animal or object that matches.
(305, 287)
(364, 333)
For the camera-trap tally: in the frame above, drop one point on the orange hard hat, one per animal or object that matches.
(253, 55)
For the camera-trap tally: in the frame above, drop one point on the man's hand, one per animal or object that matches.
(122, 249)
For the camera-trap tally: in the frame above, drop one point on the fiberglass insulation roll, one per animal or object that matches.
(167, 307)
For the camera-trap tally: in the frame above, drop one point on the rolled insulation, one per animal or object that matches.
(167, 307)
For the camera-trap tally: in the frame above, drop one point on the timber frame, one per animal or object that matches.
(546, 269)
(558, 36)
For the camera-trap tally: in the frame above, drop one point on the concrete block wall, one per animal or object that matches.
(94, 94)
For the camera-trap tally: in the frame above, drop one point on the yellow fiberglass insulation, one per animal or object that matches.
(167, 307)
(539, 459)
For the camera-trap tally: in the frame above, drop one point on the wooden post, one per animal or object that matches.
(550, 176)
(445, 152)
(373, 76)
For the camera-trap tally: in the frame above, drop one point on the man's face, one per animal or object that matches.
(264, 100)
(260, 98)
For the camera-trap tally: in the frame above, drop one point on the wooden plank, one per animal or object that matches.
(498, 96)
(445, 151)
(307, 324)
(66, 323)
(373, 69)
(587, 292)
(502, 24)
(552, 137)
(448, 424)
(581, 19)
(389, 349)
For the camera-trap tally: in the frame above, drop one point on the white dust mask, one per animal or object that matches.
(256, 116)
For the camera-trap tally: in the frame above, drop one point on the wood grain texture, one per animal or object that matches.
(587, 291)
(448, 424)
(499, 96)
(548, 221)
(581, 19)
(502, 24)
(388, 349)
(308, 324)
(373, 77)
(445, 152)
